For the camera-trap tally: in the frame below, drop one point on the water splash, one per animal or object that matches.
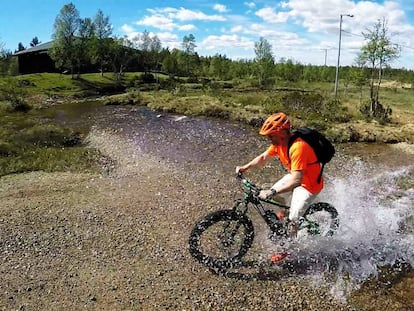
(376, 229)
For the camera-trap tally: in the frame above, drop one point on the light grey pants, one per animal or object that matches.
(300, 198)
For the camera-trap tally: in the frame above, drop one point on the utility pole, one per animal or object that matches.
(339, 53)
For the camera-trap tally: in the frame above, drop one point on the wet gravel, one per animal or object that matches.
(118, 241)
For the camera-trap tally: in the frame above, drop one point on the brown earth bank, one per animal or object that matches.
(118, 241)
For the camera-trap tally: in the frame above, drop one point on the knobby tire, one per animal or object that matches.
(244, 234)
(327, 208)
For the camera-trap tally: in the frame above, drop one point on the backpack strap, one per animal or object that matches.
(290, 143)
(320, 173)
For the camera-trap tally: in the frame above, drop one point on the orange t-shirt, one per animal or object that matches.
(302, 158)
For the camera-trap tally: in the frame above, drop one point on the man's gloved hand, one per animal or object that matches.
(265, 194)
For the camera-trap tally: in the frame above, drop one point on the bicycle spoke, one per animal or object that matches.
(319, 223)
(223, 239)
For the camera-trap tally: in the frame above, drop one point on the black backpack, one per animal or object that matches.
(322, 147)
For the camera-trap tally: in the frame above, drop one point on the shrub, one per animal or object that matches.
(148, 78)
(272, 104)
(18, 104)
(214, 88)
(11, 92)
(132, 97)
(377, 111)
(50, 135)
(216, 111)
(192, 80)
(6, 149)
(134, 81)
(169, 84)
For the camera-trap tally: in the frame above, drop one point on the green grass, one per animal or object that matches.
(399, 99)
(50, 84)
(62, 85)
(30, 141)
(50, 159)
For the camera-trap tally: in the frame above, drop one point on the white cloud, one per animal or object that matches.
(220, 8)
(169, 39)
(183, 14)
(273, 35)
(237, 28)
(215, 42)
(157, 21)
(250, 5)
(165, 18)
(270, 16)
(187, 27)
(129, 31)
(323, 15)
(317, 21)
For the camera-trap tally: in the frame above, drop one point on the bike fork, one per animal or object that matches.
(228, 234)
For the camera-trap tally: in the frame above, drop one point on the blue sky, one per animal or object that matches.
(306, 31)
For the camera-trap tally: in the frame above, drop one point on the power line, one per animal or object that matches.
(353, 34)
(404, 46)
(398, 44)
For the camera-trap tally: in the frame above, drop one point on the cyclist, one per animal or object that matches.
(301, 181)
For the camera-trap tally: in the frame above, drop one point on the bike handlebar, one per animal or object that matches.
(255, 189)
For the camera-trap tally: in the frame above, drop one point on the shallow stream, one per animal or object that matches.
(371, 185)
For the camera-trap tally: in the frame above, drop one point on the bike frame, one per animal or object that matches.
(251, 196)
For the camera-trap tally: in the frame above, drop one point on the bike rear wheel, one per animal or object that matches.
(321, 219)
(221, 239)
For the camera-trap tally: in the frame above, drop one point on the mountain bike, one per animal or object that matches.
(222, 238)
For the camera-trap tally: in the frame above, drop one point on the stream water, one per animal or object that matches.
(372, 186)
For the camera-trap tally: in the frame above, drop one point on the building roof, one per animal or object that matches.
(43, 47)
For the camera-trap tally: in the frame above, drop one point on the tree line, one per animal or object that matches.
(88, 45)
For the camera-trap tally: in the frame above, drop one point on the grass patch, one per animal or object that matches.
(61, 85)
(50, 159)
(30, 143)
(190, 105)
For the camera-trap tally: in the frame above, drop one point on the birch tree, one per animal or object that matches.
(66, 27)
(377, 54)
(264, 60)
(103, 33)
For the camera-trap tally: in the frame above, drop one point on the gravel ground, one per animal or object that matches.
(118, 241)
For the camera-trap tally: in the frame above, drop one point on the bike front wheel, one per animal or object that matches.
(321, 219)
(221, 239)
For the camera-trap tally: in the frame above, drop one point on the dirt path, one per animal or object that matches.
(119, 242)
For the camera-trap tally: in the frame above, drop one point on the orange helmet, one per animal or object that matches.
(275, 123)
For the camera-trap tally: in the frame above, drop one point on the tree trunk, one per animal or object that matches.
(371, 95)
(379, 83)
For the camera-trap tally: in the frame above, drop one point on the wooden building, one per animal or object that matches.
(36, 59)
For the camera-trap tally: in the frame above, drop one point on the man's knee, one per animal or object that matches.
(301, 199)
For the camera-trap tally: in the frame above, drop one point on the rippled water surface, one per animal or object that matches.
(370, 185)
